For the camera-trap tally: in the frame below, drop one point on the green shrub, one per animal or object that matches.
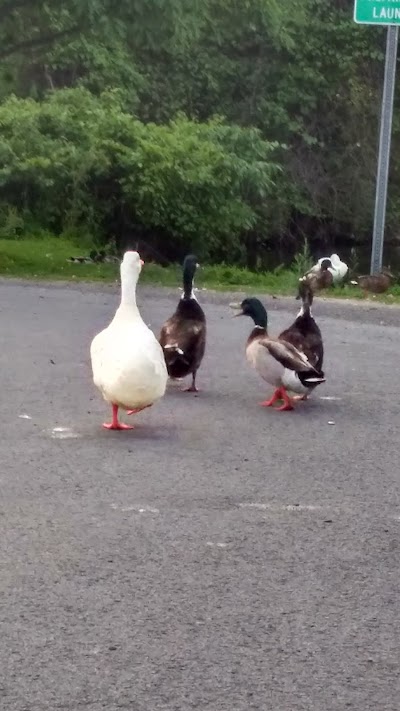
(77, 161)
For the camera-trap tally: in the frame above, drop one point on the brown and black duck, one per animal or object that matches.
(318, 279)
(183, 336)
(305, 334)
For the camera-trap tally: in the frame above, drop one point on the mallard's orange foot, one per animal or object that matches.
(287, 403)
(281, 394)
(191, 389)
(275, 397)
(286, 407)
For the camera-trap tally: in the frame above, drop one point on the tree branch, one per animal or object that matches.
(38, 41)
(9, 6)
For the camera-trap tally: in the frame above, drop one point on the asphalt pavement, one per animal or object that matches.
(219, 557)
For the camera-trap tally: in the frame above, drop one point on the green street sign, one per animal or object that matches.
(377, 12)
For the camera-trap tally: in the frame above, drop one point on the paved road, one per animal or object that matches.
(221, 557)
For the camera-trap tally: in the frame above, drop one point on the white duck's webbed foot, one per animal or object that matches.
(115, 424)
(135, 410)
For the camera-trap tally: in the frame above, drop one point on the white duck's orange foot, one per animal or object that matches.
(115, 424)
(137, 409)
(300, 397)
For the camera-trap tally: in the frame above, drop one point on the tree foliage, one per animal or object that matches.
(121, 100)
(77, 160)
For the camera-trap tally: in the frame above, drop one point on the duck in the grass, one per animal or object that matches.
(183, 336)
(375, 283)
(279, 362)
(318, 279)
(127, 360)
(336, 267)
(305, 334)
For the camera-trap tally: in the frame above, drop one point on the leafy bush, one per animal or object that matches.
(77, 160)
(303, 260)
(11, 223)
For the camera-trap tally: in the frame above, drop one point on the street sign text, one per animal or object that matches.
(377, 12)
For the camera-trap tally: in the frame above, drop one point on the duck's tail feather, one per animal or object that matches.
(175, 349)
(311, 378)
(175, 357)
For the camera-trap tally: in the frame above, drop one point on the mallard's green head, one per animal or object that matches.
(252, 307)
(190, 264)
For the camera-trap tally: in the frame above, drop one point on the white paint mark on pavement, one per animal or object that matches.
(217, 545)
(64, 433)
(24, 417)
(280, 507)
(138, 509)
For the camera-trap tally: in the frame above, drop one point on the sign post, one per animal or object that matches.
(382, 12)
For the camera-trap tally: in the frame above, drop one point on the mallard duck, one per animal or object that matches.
(305, 334)
(127, 360)
(375, 283)
(278, 362)
(318, 279)
(183, 336)
(337, 268)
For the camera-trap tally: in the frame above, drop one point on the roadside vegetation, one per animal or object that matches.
(48, 258)
(236, 131)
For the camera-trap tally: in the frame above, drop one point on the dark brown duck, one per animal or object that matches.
(183, 336)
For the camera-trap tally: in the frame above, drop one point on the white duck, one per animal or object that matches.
(338, 269)
(127, 361)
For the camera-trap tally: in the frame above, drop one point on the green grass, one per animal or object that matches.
(45, 258)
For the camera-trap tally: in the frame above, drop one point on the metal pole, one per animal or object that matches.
(384, 148)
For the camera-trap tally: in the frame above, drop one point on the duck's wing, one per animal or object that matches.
(169, 332)
(186, 338)
(293, 333)
(305, 335)
(288, 355)
(339, 267)
(293, 336)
